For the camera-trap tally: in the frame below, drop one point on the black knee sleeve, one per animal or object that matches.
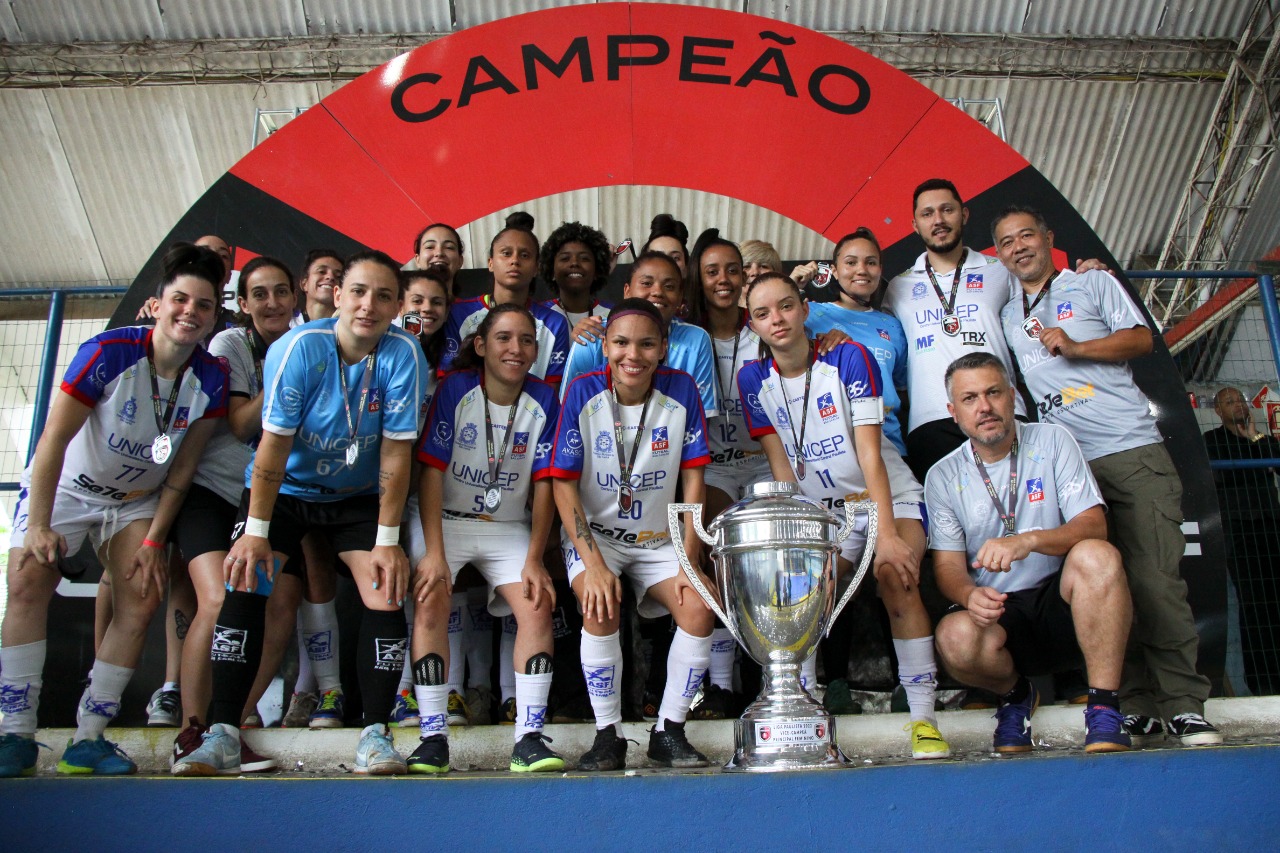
(428, 670)
(539, 664)
(236, 654)
(384, 637)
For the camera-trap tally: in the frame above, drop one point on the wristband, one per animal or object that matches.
(147, 543)
(387, 536)
(256, 527)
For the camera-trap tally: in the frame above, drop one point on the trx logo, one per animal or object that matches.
(389, 654)
(973, 339)
(599, 680)
(228, 644)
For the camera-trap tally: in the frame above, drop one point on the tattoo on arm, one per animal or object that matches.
(384, 478)
(583, 531)
(268, 476)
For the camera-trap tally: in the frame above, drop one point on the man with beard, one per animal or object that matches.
(949, 305)
(1073, 335)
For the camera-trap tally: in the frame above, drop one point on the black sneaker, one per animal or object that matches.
(431, 756)
(609, 752)
(712, 704)
(670, 748)
(532, 755)
(1143, 731)
(1194, 730)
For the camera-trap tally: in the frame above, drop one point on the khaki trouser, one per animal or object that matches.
(1144, 503)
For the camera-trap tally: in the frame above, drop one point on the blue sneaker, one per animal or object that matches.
(405, 712)
(99, 757)
(1013, 723)
(376, 754)
(329, 714)
(1104, 730)
(17, 756)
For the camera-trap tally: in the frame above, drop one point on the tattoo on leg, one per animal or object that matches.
(584, 532)
(180, 624)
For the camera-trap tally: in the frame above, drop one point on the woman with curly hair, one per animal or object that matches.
(575, 262)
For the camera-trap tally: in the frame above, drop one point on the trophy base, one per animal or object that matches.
(785, 729)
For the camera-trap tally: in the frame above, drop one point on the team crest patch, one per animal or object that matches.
(1064, 311)
(180, 418)
(467, 437)
(128, 411)
(375, 400)
(780, 417)
(826, 407)
(973, 281)
(885, 335)
(659, 440)
(1035, 489)
(520, 443)
(918, 290)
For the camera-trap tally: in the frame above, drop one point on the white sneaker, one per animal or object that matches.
(376, 754)
(301, 707)
(217, 755)
(165, 709)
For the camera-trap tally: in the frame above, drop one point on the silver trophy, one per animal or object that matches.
(774, 554)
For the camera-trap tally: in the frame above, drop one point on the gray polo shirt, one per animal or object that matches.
(1054, 486)
(1097, 400)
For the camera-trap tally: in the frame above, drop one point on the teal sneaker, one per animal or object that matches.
(18, 756)
(376, 754)
(405, 712)
(98, 757)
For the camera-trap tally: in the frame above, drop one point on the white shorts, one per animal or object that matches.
(851, 548)
(77, 519)
(734, 481)
(644, 567)
(496, 548)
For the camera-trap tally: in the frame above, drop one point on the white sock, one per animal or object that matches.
(306, 682)
(918, 673)
(433, 708)
(457, 634)
(103, 699)
(169, 686)
(723, 650)
(531, 702)
(319, 623)
(507, 679)
(686, 665)
(809, 673)
(21, 677)
(406, 673)
(480, 642)
(602, 667)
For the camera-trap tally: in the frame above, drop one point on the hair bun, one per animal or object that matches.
(190, 259)
(520, 220)
(666, 225)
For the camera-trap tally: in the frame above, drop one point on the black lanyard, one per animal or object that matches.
(257, 352)
(948, 306)
(1006, 518)
(1027, 308)
(625, 468)
(733, 363)
(162, 423)
(798, 440)
(353, 449)
(493, 495)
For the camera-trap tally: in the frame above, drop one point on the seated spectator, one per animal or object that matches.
(1037, 588)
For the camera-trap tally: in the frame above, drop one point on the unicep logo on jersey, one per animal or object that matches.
(180, 418)
(826, 407)
(659, 441)
(604, 444)
(14, 699)
(918, 290)
(390, 653)
(467, 437)
(1035, 489)
(1064, 311)
(128, 411)
(599, 679)
(319, 645)
(228, 644)
(973, 281)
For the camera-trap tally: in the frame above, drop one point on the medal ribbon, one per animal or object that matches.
(625, 468)
(162, 423)
(733, 362)
(949, 308)
(370, 360)
(257, 352)
(1006, 518)
(798, 441)
(495, 463)
(1027, 308)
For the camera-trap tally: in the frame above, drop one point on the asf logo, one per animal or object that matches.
(14, 699)
(1035, 489)
(180, 418)
(826, 407)
(600, 679)
(319, 645)
(973, 281)
(375, 400)
(520, 443)
(659, 440)
(1064, 311)
(389, 653)
(228, 644)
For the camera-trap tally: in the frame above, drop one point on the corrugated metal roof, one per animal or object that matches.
(134, 20)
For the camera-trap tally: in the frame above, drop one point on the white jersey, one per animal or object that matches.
(109, 460)
(985, 287)
(1054, 486)
(454, 442)
(1098, 401)
(844, 392)
(586, 450)
(226, 457)
(573, 318)
(728, 437)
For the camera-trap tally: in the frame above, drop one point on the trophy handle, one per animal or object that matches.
(851, 509)
(677, 540)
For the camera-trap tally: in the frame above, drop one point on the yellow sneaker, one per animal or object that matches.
(926, 741)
